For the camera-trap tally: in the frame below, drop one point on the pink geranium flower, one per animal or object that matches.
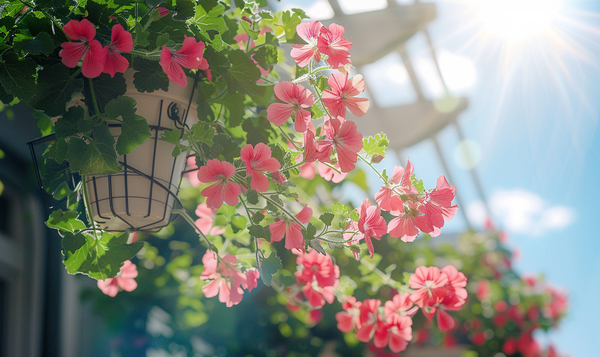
(84, 46)
(333, 44)
(330, 174)
(206, 221)
(350, 318)
(192, 171)
(188, 56)
(401, 304)
(388, 194)
(319, 276)
(290, 229)
(225, 279)
(223, 189)
(343, 95)
(371, 224)
(430, 286)
(400, 332)
(259, 159)
(345, 140)
(309, 32)
(125, 280)
(369, 319)
(295, 98)
(120, 40)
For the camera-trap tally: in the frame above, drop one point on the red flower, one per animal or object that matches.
(91, 50)
(400, 304)
(225, 279)
(430, 283)
(189, 56)
(319, 276)
(125, 280)
(333, 44)
(296, 97)
(309, 32)
(290, 229)
(369, 319)
(222, 189)
(400, 332)
(120, 40)
(346, 141)
(350, 318)
(259, 159)
(343, 95)
(371, 224)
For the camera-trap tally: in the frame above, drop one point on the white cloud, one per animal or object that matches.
(522, 212)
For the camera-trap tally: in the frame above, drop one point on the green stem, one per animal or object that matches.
(94, 102)
(374, 169)
(289, 139)
(331, 166)
(191, 222)
(88, 207)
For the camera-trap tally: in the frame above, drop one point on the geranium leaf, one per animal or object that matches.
(252, 196)
(266, 56)
(134, 132)
(210, 20)
(327, 218)
(65, 221)
(268, 267)
(67, 125)
(42, 43)
(107, 88)
(16, 76)
(149, 76)
(184, 9)
(55, 89)
(243, 74)
(96, 158)
(102, 258)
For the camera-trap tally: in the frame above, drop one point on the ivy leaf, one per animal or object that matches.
(354, 216)
(134, 128)
(243, 74)
(291, 19)
(42, 43)
(102, 259)
(211, 20)
(266, 56)
(248, 30)
(257, 132)
(327, 218)
(235, 105)
(149, 76)
(418, 184)
(203, 133)
(239, 222)
(205, 112)
(171, 136)
(67, 124)
(268, 267)
(55, 89)
(58, 151)
(162, 40)
(376, 144)
(96, 158)
(71, 243)
(141, 36)
(229, 148)
(252, 196)
(65, 221)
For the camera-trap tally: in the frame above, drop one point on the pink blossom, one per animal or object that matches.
(205, 221)
(242, 39)
(309, 32)
(343, 94)
(457, 282)
(223, 189)
(400, 304)
(308, 170)
(125, 280)
(349, 319)
(295, 98)
(371, 224)
(189, 56)
(345, 140)
(399, 329)
(318, 277)
(91, 50)
(225, 279)
(120, 40)
(330, 174)
(369, 319)
(389, 192)
(192, 171)
(162, 11)
(259, 159)
(430, 286)
(333, 44)
(290, 229)
(312, 151)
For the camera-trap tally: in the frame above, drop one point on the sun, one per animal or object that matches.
(517, 19)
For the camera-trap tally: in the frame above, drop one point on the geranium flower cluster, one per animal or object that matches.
(317, 278)
(224, 278)
(436, 290)
(98, 59)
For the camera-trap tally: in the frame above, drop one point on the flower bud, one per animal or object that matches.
(355, 248)
(376, 158)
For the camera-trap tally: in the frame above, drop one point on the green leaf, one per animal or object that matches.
(291, 19)
(149, 76)
(376, 144)
(257, 130)
(42, 43)
(141, 36)
(171, 136)
(58, 151)
(316, 245)
(248, 30)
(229, 149)
(96, 158)
(258, 217)
(354, 216)
(239, 222)
(134, 128)
(268, 267)
(309, 232)
(16, 76)
(252, 196)
(205, 112)
(235, 105)
(184, 10)
(243, 74)
(327, 218)
(65, 221)
(107, 88)
(257, 231)
(418, 184)
(266, 56)
(71, 243)
(102, 258)
(66, 125)
(98, 13)
(211, 20)
(203, 133)
(162, 40)
(55, 89)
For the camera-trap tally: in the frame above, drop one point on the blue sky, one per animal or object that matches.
(534, 106)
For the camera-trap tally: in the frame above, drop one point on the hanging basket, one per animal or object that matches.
(143, 195)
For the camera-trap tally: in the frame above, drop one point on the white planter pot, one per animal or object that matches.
(142, 196)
